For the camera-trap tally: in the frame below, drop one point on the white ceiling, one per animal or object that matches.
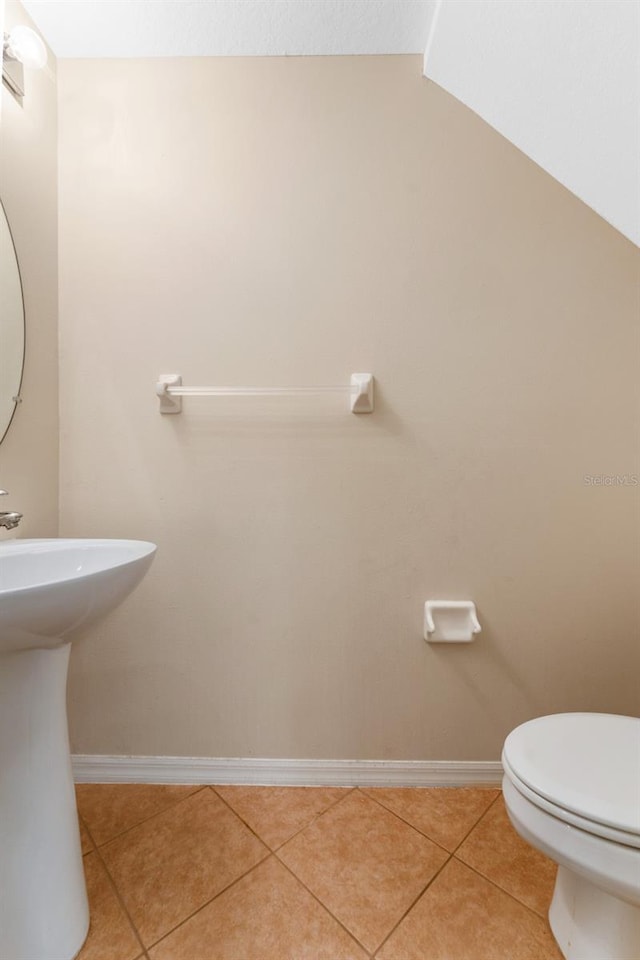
(222, 28)
(560, 81)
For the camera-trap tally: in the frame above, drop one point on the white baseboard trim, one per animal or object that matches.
(302, 773)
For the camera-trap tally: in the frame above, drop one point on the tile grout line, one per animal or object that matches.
(406, 822)
(363, 792)
(83, 822)
(263, 860)
(241, 819)
(450, 857)
(211, 900)
(174, 803)
(353, 936)
(483, 875)
(413, 903)
(118, 896)
(481, 817)
(97, 849)
(274, 854)
(324, 906)
(450, 853)
(246, 873)
(334, 803)
(502, 889)
(348, 792)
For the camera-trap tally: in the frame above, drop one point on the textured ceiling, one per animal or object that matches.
(199, 28)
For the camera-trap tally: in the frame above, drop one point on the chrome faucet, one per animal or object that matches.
(9, 519)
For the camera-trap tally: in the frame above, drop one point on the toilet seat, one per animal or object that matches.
(582, 823)
(583, 769)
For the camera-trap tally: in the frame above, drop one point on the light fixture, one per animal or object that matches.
(22, 47)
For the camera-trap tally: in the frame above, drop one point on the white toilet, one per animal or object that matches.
(572, 790)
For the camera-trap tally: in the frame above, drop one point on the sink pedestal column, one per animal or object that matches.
(44, 912)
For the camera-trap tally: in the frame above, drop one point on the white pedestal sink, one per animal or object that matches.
(48, 588)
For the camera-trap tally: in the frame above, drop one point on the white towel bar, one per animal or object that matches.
(170, 392)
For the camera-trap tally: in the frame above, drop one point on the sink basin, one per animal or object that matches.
(48, 588)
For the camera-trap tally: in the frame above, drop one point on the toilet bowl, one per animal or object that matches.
(572, 789)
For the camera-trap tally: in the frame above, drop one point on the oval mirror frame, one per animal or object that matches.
(12, 326)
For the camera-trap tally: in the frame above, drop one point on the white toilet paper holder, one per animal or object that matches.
(450, 621)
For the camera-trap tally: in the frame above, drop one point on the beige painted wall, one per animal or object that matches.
(291, 221)
(28, 188)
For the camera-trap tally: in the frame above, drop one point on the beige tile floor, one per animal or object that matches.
(296, 873)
